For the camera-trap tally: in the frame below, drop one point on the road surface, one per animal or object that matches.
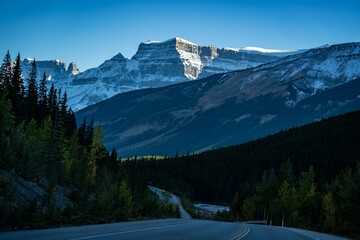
(168, 229)
(153, 229)
(164, 195)
(262, 232)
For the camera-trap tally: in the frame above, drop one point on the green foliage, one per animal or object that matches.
(32, 94)
(286, 174)
(40, 142)
(328, 211)
(6, 123)
(6, 74)
(16, 91)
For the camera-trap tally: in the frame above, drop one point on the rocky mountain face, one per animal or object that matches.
(234, 107)
(158, 64)
(56, 70)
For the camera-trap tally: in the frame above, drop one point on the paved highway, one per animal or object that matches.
(168, 229)
(262, 232)
(153, 229)
(163, 195)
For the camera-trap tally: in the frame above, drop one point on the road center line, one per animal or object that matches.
(134, 231)
(242, 234)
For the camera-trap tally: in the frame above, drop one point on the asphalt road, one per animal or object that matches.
(262, 232)
(153, 229)
(163, 195)
(168, 229)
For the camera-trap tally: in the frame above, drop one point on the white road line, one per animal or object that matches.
(242, 234)
(133, 231)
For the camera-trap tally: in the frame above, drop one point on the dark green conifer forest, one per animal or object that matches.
(307, 176)
(40, 143)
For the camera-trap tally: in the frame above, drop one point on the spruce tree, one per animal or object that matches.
(16, 91)
(43, 97)
(52, 101)
(82, 132)
(63, 104)
(89, 133)
(32, 94)
(5, 73)
(6, 124)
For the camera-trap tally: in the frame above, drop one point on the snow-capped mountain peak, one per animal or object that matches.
(155, 64)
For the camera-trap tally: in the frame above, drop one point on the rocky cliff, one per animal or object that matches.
(234, 107)
(56, 70)
(158, 64)
(155, 64)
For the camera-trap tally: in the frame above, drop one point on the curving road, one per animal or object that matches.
(164, 195)
(261, 232)
(169, 229)
(153, 229)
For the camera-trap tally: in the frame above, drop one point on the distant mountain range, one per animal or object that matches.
(225, 108)
(155, 64)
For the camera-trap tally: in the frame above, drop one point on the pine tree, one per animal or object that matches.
(32, 94)
(113, 161)
(236, 205)
(328, 210)
(82, 132)
(124, 201)
(16, 91)
(52, 101)
(89, 133)
(97, 154)
(43, 97)
(6, 124)
(308, 209)
(63, 104)
(6, 73)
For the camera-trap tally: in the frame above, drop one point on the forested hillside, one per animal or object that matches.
(53, 173)
(310, 175)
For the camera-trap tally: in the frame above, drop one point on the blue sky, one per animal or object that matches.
(90, 32)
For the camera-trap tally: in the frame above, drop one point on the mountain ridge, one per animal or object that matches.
(231, 107)
(155, 64)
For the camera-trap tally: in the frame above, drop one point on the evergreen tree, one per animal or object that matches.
(6, 73)
(89, 133)
(6, 124)
(52, 101)
(236, 206)
(16, 92)
(43, 97)
(70, 125)
(307, 196)
(97, 154)
(248, 208)
(124, 201)
(113, 161)
(82, 132)
(328, 211)
(32, 93)
(32, 148)
(63, 104)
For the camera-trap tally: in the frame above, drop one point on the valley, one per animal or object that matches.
(272, 134)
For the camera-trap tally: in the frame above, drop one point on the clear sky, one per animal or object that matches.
(89, 32)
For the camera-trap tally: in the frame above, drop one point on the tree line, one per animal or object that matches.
(309, 176)
(40, 142)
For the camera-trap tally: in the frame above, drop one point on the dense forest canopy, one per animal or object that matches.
(40, 143)
(304, 177)
(310, 175)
